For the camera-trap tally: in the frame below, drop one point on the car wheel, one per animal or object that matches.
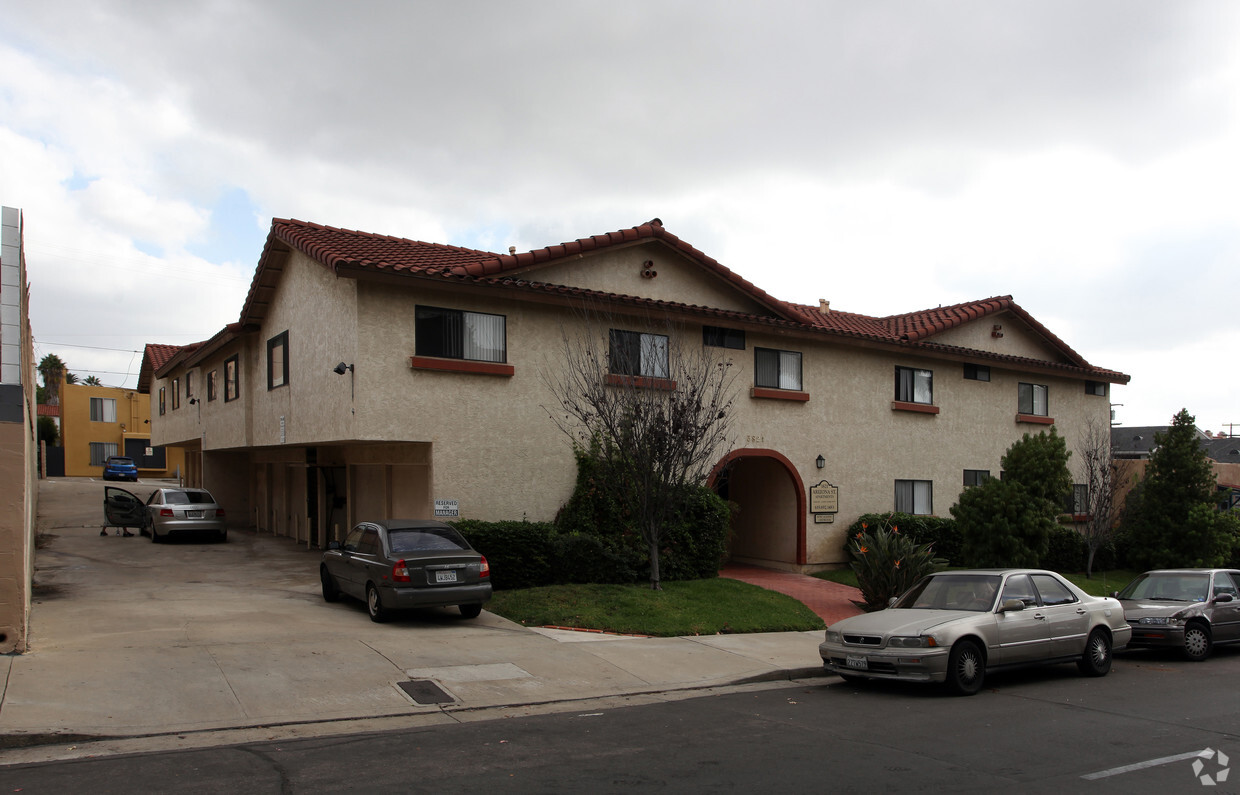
(966, 668)
(1197, 642)
(222, 536)
(374, 605)
(330, 592)
(154, 535)
(1096, 659)
(470, 611)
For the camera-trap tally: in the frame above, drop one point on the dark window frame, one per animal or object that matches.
(625, 349)
(778, 353)
(912, 496)
(906, 388)
(441, 333)
(176, 394)
(213, 386)
(1031, 406)
(232, 386)
(976, 372)
(163, 401)
(976, 477)
(723, 337)
(278, 342)
(1096, 388)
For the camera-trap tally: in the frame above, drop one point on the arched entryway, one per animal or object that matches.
(768, 527)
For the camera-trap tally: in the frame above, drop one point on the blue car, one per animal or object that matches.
(118, 467)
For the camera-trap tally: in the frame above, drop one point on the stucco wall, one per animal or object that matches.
(1013, 337)
(133, 410)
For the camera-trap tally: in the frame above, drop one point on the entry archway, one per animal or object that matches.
(768, 527)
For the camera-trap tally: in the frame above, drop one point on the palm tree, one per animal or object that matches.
(92, 380)
(52, 369)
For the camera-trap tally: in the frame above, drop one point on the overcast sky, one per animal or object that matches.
(1081, 156)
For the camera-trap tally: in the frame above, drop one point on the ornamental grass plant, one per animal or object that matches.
(887, 562)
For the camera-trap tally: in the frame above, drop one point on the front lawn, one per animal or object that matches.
(693, 607)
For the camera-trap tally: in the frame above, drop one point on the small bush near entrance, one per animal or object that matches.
(888, 562)
(939, 532)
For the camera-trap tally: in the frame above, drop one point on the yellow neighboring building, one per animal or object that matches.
(101, 421)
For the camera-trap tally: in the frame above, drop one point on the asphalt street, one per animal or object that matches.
(1139, 730)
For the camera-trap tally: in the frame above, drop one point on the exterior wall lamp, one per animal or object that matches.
(821, 462)
(341, 369)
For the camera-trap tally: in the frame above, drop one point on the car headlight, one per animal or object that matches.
(918, 642)
(1162, 621)
(833, 636)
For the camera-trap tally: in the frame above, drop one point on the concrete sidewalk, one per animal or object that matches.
(137, 646)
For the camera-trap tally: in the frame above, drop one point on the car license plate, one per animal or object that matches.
(193, 514)
(445, 576)
(859, 663)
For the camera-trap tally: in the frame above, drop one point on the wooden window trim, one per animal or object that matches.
(641, 382)
(916, 408)
(767, 393)
(468, 366)
(1035, 419)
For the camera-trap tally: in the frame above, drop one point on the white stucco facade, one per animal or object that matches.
(309, 457)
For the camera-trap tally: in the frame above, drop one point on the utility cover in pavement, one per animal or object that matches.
(425, 692)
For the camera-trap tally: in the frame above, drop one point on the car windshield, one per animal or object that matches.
(424, 539)
(972, 592)
(187, 498)
(1169, 587)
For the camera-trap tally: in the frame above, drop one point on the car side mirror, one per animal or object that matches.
(1222, 597)
(892, 601)
(333, 545)
(1114, 594)
(1012, 606)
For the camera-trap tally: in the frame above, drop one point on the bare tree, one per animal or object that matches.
(652, 406)
(1100, 482)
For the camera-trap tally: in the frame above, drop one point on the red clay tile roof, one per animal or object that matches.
(344, 251)
(45, 410)
(154, 357)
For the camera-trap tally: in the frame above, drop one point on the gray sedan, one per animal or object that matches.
(1188, 609)
(403, 563)
(167, 512)
(954, 626)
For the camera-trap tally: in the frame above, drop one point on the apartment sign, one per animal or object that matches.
(824, 499)
(447, 507)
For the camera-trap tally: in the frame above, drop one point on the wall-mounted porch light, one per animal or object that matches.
(821, 462)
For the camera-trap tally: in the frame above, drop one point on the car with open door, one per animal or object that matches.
(396, 564)
(167, 512)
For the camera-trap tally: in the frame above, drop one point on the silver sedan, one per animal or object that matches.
(1188, 609)
(167, 512)
(954, 626)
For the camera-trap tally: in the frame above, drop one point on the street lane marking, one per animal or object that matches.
(1166, 760)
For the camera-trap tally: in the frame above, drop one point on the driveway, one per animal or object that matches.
(130, 639)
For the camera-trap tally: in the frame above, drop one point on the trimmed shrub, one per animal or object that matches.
(521, 554)
(1067, 551)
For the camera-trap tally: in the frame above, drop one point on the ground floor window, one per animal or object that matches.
(914, 496)
(100, 451)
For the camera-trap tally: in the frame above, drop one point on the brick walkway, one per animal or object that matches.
(830, 600)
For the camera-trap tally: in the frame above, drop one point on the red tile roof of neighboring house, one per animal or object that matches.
(46, 410)
(346, 251)
(154, 357)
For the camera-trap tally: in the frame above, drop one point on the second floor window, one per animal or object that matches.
(232, 386)
(163, 400)
(635, 353)
(977, 372)
(176, 394)
(189, 384)
(1098, 388)
(914, 386)
(102, 409)
(277, 360)
(213, 378)
(774, 369)
(976, 477)
(719, 337)
(455, 334)
(1031, 399)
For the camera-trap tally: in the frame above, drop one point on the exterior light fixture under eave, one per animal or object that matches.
(820, 462)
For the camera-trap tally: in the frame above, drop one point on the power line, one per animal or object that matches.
(91, 347)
